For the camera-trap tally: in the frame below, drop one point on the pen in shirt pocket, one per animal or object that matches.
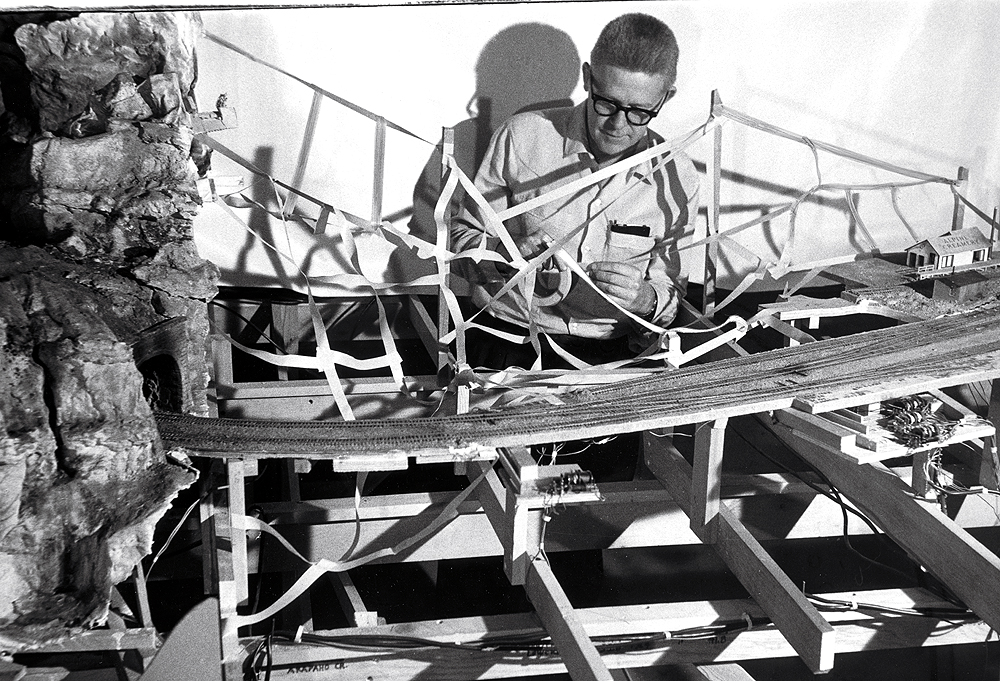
(635, 230)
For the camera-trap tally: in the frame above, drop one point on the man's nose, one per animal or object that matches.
(617, 120)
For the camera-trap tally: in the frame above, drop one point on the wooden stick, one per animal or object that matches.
(237, 537)
(714, 172)
(706, 484)
(958, 214)
(578, 652)
(809, 634)
(856, 631)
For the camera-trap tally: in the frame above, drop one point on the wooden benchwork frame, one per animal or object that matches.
(509, 520)
(942, 546)
(224, 563)
(856, 630)
(807, 631)
(632, 515)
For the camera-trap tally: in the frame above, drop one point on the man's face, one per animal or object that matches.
(613, 136)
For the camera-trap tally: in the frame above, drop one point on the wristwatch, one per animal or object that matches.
(648, 316)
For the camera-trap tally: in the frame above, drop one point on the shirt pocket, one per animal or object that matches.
(633, 249)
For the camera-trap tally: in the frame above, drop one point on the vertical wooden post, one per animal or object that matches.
(989, 471)
(706, 482)
(713, 172)
(958, 215)
(237, 537)
(515, 543)
(221, 570)
(378, 180)
(444, 317)
(994, 232)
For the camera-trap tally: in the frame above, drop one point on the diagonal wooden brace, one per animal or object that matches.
(947, 550)
(811, 636)
(506, 515)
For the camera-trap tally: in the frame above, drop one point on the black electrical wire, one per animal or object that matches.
(260, 659)
(833, 494)
(935, 613)
(539, 644)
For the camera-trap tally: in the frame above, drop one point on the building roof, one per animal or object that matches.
(961, 241)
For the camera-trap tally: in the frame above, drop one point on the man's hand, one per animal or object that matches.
(531, 245)
(625, 284)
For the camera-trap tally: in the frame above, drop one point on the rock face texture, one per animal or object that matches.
(97, 196)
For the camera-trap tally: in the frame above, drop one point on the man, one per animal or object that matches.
(623, 230)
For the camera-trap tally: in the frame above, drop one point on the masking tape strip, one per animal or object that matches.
(526, 269)
(575, 266)
(758, 124)
(573, 361)
(301, 361)
(443, 265)
(232, 155)
(322, 566)
(526, 284)
(359, 487)
(806, 279)
(894, 194)
(340, 100)
(973, 208)
(661, 149)
(493, 221)
(323, 352)
(747, 281)
(393, 359)
(325, 359)
(770, 215)
(307, 139)
(857, 219)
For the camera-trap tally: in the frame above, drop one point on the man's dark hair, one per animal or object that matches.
(637, 42)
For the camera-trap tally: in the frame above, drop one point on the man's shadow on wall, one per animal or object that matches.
(524, 67)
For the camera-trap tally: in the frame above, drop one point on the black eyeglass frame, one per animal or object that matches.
(629, 110)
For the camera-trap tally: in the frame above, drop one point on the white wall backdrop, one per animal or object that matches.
(912, 83)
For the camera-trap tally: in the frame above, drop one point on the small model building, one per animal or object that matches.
(952, 249)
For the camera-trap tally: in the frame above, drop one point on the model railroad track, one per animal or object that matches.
(830, 374)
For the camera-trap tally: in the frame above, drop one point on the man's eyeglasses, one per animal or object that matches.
(633, 114)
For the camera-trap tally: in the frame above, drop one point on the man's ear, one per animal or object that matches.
(586, 77)
(670, 93)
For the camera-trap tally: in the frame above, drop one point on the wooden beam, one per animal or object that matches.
(970, 570)
(578, 652)
(507, 514)
(958, 213)
(989, 472)
(236, 503)
(806, 630)
(822, 376)
(219, 544)
(856, 631)
(723, 672)
(714, 173)
(706, 481)
(351, 602)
